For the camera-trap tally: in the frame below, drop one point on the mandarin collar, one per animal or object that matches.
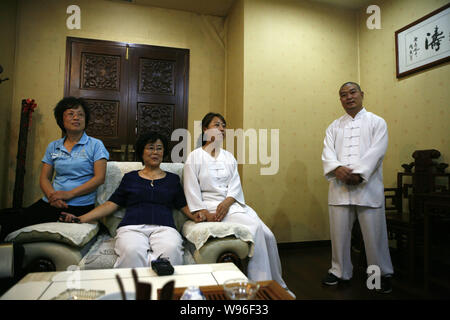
(358, 115)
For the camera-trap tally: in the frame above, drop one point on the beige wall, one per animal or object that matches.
(40, 61)
(234, 90)
(296, 54)
(235, 66)
(416, 108)
(7, 48)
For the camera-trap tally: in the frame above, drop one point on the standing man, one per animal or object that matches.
(353, 152)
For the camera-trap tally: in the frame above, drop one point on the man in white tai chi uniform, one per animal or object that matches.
(354, 148)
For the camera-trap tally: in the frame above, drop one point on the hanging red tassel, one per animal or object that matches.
(28, 108)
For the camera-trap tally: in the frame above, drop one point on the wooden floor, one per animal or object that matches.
(305, 266)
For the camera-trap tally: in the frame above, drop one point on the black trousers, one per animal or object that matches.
(38, 212)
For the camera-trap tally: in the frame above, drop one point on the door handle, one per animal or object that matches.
(131, 153)
(122, 151)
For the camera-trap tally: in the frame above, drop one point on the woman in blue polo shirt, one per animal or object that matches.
(147, 230)
(79, 164)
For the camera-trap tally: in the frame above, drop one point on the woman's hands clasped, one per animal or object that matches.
(57, 199)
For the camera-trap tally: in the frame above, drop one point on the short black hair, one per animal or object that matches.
(207, 120)
(70, 103)
(150, 137)
(350, 82)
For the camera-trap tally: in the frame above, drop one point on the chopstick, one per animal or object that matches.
(143, 290)
(122, 290)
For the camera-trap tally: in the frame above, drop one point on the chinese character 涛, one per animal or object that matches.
(436, 38)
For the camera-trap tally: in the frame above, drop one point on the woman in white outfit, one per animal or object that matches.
(149, 195)
(214, 193)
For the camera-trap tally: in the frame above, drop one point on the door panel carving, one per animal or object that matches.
(154, 117)
(104, 120)
(130, 88)
(157, 77)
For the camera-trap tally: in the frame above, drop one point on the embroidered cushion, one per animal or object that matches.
(73, 234)
(199, 233)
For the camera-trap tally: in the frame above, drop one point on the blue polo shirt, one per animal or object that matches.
(74, 168)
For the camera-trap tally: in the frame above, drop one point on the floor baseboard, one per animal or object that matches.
(304, 244)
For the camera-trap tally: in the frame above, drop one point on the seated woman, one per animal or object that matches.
(213, 191)
(149, 195)
(79, 162)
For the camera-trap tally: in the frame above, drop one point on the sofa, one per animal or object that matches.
(56, 246)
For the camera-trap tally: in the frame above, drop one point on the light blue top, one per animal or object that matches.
(76, 167)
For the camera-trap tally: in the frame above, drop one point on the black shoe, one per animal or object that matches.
(330, 280)
(386, 286)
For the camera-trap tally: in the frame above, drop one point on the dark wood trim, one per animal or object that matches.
(304, 244)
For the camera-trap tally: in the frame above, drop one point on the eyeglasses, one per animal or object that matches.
(71, 115)
(157, 149)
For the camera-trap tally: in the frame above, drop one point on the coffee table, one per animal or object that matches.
(48, 285)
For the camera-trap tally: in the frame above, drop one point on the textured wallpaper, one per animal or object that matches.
(417, 107)
(297, 54)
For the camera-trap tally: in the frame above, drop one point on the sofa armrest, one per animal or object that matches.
(60, 255)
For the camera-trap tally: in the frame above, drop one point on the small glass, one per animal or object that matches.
(193, 293)
(240, 289)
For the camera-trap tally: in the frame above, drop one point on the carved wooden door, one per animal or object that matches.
(130, 89)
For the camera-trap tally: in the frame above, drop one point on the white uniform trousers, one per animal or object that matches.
(265, 263)
(373, 228)
(138, 245)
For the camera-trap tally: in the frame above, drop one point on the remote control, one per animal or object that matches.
(162, 267)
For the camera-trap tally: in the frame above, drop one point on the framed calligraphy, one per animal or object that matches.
(424, 43)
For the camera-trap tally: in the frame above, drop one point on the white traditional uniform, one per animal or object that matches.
(207, 182)
(358, 143)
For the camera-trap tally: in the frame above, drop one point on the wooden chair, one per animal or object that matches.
(405, 228)
(404, 210)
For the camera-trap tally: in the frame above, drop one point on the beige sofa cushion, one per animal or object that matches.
(101, 255)
(73, 234)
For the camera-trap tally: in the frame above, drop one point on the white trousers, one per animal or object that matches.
(373, 228)
(265, 263)
(138, 245)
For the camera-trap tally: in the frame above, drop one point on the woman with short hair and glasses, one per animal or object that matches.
(147, 230)
(79, 164)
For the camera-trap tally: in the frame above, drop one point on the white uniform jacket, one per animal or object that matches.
(359, 143)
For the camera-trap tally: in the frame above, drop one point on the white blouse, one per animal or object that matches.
(208, 181)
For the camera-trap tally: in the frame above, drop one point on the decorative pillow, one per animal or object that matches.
(73, 234)
(199, 233)
(114, 173)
